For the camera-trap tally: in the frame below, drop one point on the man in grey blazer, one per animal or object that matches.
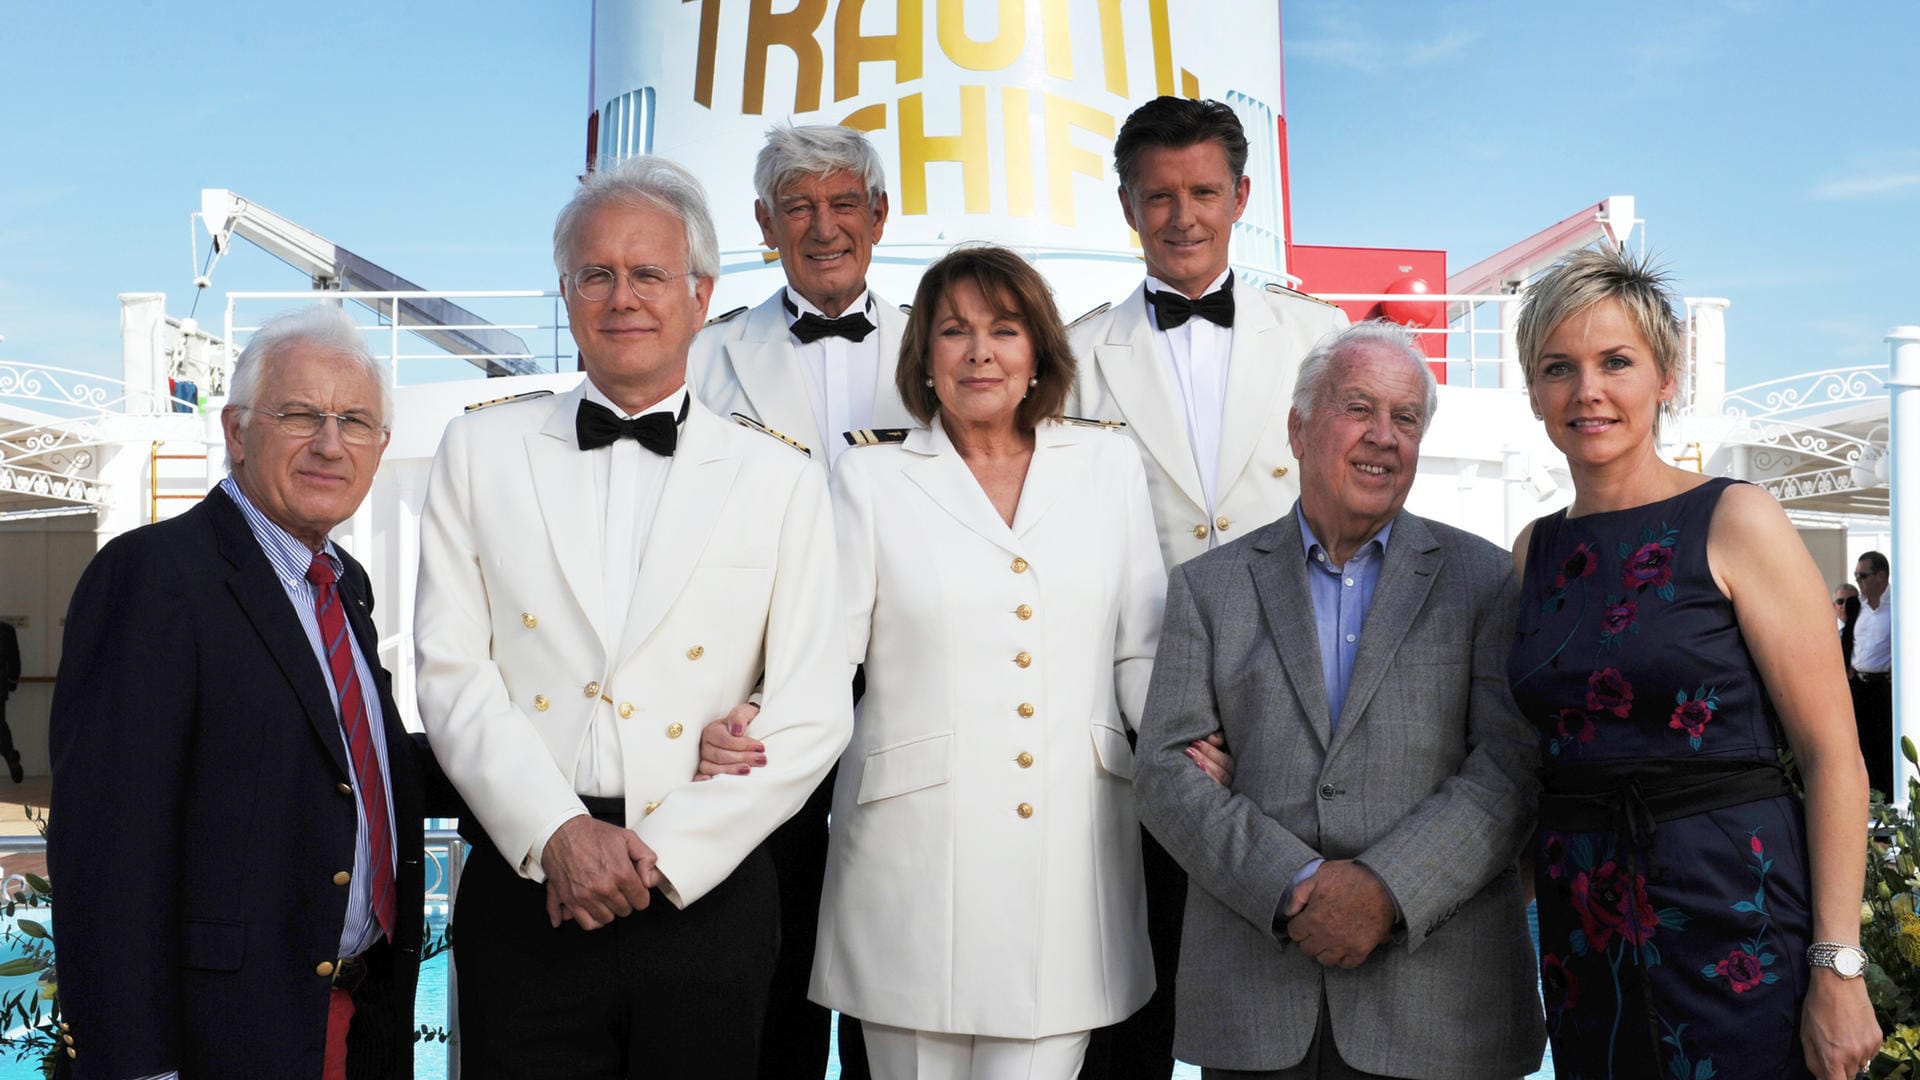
(1354, 908)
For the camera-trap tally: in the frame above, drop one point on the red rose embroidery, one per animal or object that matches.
(1557, 985)
(1617, 618)
(1611, 902)
(1609, 691)
(1649, 567)
(1578, 565)
(1691, 717)
(1741, 969)
(1575, 725)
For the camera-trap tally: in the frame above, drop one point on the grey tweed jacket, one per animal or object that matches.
(1427, 779)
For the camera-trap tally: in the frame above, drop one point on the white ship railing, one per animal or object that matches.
(533, 314)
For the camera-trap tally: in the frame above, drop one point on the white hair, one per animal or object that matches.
(642, 181)
(1310, 386)
(323, 326)
(793, 151)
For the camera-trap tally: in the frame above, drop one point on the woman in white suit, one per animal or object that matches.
(983, 907)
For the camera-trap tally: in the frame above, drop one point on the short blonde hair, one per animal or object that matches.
(1586, 278)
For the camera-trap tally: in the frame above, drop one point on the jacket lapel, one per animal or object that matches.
(888, 412)
(1254, 377)
(1058, 460)
(1144, 389)
(1406, 577)
(769, 375)
(698, 482)
(1280, 581)
(264, 600)
(944, 476)
(569, 505)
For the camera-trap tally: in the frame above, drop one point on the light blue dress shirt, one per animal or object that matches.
(290, 559)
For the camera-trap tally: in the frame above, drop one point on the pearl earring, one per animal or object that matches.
(1035, 381)
(928, 381)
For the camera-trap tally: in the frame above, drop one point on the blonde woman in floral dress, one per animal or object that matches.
(1697, 919)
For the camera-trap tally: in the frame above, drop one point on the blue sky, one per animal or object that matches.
(1773, 148)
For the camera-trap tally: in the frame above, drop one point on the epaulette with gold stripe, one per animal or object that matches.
(1101, 310)
(529, 395)
(1081, 421)
(1281, 290)
(876, 436)
(727, 315)
(746, 421)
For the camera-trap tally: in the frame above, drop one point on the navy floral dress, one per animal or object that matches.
(1669, 949)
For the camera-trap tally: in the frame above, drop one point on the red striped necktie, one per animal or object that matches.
(353, 717)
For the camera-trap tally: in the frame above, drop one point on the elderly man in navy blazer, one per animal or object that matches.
(236, 820)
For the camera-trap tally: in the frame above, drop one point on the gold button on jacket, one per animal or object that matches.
(626, 710)
(1026, 709)
(540, 703)
(342, 877)
(1025, 809)
(592, 689)
(1019, 565)
(696, 652)
(652, 806)
(324, 969)
(1024, 612)
(527, 620)
(1221, 523)
(344, 789)
(1025, 760)
(1024, 659)
(674, 730)
(1199, 532)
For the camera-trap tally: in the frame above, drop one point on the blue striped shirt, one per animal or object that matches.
(290, 559)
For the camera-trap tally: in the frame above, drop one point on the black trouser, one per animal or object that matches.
(7, 751)
(661, 992)
(379, 1041)
(1873, 719)
(794, 1042)
(1141, 1046)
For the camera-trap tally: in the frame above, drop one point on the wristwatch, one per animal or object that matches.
(1846, 961)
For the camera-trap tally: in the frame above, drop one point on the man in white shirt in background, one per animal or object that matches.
(1871, 677)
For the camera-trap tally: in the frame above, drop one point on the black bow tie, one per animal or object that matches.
(596, 426)
(812, 326)
(1170, 309)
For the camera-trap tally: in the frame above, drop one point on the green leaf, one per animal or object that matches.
(33, 929)
(21, 965)
(1907, 750)
(37, 883)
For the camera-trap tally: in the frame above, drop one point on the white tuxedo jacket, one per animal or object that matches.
(1124, 376)
(983, 871)
(736, 580)
(746, 365)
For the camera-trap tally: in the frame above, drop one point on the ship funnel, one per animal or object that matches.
(1616, 219)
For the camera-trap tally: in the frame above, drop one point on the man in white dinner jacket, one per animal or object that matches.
(602, 573)
(813, 361)
(1200, 367)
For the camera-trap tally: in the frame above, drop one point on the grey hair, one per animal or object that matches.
(1311, 385)
(793, 151)
(642, 181)
(324, 326)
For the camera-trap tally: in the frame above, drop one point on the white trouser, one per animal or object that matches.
(904, 1054)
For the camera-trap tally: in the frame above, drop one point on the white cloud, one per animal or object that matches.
(1870, 185)
(1347, 43)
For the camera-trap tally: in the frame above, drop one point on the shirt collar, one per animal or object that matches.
(1310, 543)
(670, 403)
(798, 305)
(290, 557)
(1154, 284)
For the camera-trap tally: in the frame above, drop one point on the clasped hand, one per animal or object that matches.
(596, 873)
(1340, 914)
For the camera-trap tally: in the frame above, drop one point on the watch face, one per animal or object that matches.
(1846, 963)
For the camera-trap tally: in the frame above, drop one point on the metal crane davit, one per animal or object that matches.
(331, 267)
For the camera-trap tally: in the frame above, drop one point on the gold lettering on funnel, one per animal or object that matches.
(1064, 121)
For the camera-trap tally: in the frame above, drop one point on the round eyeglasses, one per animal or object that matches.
(648, 283)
